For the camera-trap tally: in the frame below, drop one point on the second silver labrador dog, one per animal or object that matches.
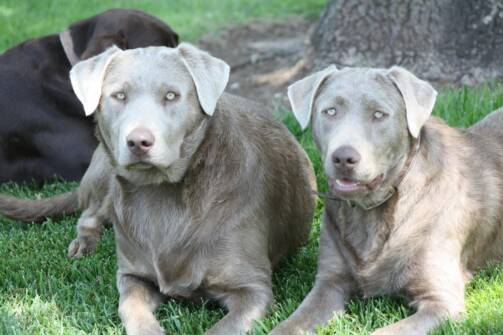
(415, 206)
(206, 193)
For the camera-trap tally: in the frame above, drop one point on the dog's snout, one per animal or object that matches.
(140, 141)
(345, 157)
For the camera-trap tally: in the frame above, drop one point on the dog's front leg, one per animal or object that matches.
(332, 289)
(138, 301)
(325, 299)
(244, 305)
(89, 228)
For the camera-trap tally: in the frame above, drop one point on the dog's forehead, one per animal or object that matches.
(152, 64)
(358, 84)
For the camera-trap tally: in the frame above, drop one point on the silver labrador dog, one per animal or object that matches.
(206, 193)
(415, 206)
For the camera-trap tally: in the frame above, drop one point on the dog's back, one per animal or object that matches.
(486, 137)
(491, 125)
(289, 175)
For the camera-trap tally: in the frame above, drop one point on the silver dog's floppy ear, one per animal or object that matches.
(419, 97)
(209, 73)
(87, 78)
(303, 92)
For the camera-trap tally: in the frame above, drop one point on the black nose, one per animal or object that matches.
(346, 157)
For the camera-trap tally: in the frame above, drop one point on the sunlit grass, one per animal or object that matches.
(43, 292)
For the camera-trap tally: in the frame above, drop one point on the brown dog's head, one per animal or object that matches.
(364, 122)
(125, 28)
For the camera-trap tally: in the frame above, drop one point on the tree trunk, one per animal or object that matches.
(444, 41)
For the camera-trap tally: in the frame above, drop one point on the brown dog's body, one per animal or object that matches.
(44, 132)
(443, 222)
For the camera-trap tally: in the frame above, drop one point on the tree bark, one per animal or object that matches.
(444, 41)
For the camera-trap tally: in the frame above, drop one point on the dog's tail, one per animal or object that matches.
(37, 210)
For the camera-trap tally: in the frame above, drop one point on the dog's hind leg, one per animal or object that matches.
(138, 301)
(437, 299)
(427, 317)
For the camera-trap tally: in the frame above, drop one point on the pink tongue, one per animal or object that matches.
(347, 183)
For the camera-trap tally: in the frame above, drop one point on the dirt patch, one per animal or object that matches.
(262, 48)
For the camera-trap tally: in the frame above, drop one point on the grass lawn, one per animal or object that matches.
(24, 19)
(43, 292)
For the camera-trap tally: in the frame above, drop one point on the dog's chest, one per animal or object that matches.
(153, 236)
(369, 251)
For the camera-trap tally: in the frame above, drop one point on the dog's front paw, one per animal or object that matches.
(389, 330)
(89, 232)
(284, 329)
(81, 246)
(147, 328)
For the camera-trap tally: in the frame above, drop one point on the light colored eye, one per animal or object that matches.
(120, 96)
(170, 96)
(330, 112)
(378, 114)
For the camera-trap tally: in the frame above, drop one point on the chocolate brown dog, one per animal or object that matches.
(43, 132)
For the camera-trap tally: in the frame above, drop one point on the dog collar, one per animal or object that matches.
(369, 204)
(67, 43)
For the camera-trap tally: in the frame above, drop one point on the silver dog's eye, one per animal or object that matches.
(378, 115)
(330, 112)
(120, 96)
(170, 96)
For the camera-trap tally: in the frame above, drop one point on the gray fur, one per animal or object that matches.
(233, 201)
(36, 210)
(443, 222)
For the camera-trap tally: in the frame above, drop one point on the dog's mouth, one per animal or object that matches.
(350, 187)
(140, 166)
(143, 166)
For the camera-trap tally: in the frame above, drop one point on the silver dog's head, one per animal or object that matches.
(149, 104)
(364, 121)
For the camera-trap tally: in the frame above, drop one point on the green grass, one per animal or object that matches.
(43, 292)
(20, 20)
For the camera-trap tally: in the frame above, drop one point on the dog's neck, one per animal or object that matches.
(402, 168)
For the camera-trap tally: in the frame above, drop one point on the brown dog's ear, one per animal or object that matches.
(76, 37)
(87, 78)
(210, 75)
(303, 92)
(124, 28)
(72, 41)
(419, 97)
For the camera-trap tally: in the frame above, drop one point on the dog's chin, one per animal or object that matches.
(142, 175)
(149, 173)
(143, 172)
(353, 188)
